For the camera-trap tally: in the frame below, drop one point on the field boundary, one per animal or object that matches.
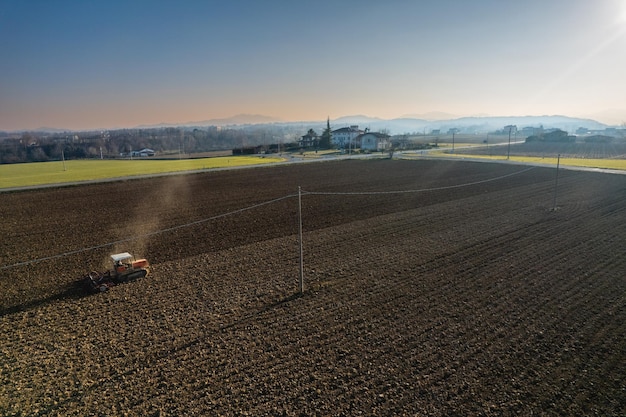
(511, 161)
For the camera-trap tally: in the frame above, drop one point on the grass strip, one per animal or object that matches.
(59, 172)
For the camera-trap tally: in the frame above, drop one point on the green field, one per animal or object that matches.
(576, 162)
(42, 173)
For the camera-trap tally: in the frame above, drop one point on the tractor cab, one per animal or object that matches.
(125, 265)
(122, 262)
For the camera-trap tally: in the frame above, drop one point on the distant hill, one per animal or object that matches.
(357, 119)
(477, 124)
(402, 125)
(240, 119)
(467, 124)
(431, 116)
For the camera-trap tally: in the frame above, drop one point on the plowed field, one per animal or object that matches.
(468, 296)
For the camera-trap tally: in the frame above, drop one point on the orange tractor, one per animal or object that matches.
(125, 269)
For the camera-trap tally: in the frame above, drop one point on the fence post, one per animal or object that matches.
(556, 181)
(300, 240)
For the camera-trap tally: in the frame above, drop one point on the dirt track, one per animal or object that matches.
(465, 300)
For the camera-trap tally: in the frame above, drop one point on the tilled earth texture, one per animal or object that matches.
(431, 288)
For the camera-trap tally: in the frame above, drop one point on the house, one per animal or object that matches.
(528, 131)
(310, 140)
(144, 152)
(346, 137)
(374, 141)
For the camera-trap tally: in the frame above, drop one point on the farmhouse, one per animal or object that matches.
(374, 141)
(347, 137)
(529, 131)
(310, 140)
(609, 131)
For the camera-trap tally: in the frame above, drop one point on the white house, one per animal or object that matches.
(144, 152)
(374, 141)
(346, 137)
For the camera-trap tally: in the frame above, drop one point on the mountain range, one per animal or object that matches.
(412, 124)
(408, 124)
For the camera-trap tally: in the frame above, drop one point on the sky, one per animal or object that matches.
(93, 64)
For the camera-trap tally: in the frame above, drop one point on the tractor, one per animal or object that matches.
(125, 269)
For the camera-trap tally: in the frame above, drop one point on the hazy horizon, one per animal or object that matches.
(117, 64)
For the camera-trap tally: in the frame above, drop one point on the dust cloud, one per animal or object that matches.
(151, 213)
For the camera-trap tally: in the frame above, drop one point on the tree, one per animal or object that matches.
(326, 138)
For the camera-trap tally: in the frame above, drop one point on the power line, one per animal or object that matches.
(230, 213)
(130, 239)
(419, 190)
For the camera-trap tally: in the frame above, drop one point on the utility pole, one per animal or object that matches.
(181, 145)
(508, 152)
(300, 240)
(349, 141)
(556, 181)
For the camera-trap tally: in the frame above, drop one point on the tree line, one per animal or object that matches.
(46, 146)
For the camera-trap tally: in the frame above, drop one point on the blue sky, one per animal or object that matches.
(107, 64)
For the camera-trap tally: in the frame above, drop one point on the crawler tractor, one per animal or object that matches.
(125, 269)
